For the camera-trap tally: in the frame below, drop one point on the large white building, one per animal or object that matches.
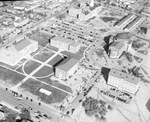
(65, 44)
(66, 68)
(14, 53)
(123, 81)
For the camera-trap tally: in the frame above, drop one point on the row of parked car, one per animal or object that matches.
(120, 95)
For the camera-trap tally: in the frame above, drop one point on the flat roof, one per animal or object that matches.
(127, 77)
(22, 44)
(117, 45)
(75, 44)
(136, 20)
(124, 19)
(67, 64)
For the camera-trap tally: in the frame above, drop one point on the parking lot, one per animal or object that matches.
(117, 95)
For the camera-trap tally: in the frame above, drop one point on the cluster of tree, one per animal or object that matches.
(61, 16)
(24, 116)
(93, 107)
(100, 52)
(128, 56)
(137, 44)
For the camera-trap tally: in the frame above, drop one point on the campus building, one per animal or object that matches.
(66, 68)
(17, 51)
(123, 81)
(116, 49)
(65, 44)
(134, 24)
(125, 20)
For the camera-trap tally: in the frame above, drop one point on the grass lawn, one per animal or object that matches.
(30, 66)
(44, 71)
(41, 38)
(43, 56)
(34, 86)
(52, 48)
(39, 49)
(56, 83)
(9, 66)
(55, 60)
(10, 77)
(20, 70)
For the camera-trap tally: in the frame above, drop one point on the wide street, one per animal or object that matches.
(76, 102)
(8, 97)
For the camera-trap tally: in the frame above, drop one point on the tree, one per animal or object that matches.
(109, 107)
(61, 16)
(10, 118)
(128, 56)
(25, 114)
(136, 44)
(103, 118)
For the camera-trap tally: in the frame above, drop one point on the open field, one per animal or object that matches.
(39, 49)
(43, 56)
(30, 66)
(19, 69)
(10, 78)
(56, 83)
(108, 19)
(52, 48)
(33, 86)
(44, 71)
(41, 38)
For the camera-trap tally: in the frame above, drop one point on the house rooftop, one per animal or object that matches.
(127, 77)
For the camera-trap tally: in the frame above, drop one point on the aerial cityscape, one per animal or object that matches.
(75, 61)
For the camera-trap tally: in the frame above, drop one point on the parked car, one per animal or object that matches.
(29, 108)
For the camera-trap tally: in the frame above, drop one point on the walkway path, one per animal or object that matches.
(34, 71)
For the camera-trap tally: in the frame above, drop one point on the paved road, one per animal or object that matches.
(8, 97)
(76, 102)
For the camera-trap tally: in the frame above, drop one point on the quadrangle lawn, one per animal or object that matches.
(43, 56)
(30, 65)
(33, 86)
(44, 71)
(56, 83)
